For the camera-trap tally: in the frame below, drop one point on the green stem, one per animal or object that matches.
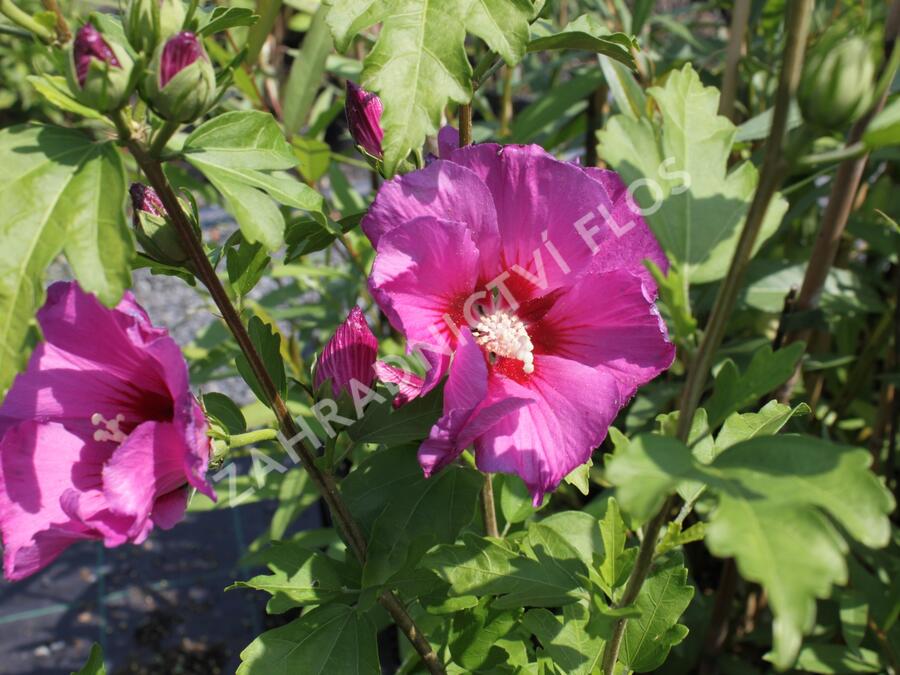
(773, 170)
(465, 125)
(25, 20)
(324, 481)
(844, 187)
(251, 437)
(739, 18)
(488, 508)
(165, 132)
(851, 151)
(63, 34)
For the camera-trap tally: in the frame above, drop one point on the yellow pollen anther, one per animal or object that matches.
(504, 334)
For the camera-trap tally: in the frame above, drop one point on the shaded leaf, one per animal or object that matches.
(694, 205)
(776, 498)
(767, 371)
(587, 32)
(94, 664)
(267, 341)
(327, 639)
(59, 191)
(662, 600)
(574, 644)
(481, 566)
(299, 577)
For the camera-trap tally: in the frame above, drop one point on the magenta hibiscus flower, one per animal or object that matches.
(99, 437)
(529, 271)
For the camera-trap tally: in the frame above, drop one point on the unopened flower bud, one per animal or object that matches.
(349, 355)
(154, 229)
(364, 119)
(149, 22)
(180, 84)
(837, 82)
(99, 70)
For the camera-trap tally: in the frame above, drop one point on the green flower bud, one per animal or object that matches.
(99, 70)
(838, 80)
(149, 22)
(180, 83)
(154, 230)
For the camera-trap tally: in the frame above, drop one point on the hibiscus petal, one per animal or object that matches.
(549, 210)
(36, 461)
(632, 243)
(76, 322)
(448, 140)
(544, 441)
(147, 466)
(441, 190)
(466, 416)
(534, 194)
(423, 274)
(606, 321)
(169, 509)
(410, 385)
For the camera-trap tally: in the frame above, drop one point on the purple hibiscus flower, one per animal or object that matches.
(528, 272)
(100, 437)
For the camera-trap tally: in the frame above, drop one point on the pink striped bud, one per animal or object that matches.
(349, 355)
(364, 119)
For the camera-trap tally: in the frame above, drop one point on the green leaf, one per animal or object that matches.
(223, 18)
(59, 192)
(328, 639)
(308, 235)
(767, 370)
(769, 281)
(884, 130)
(269, 11)
(474, 644)
(481, 566)
(313, 156)
(431, 511)
(777, 497)
(503, 25)
(854, 612)
(613, 568)
(377, 480)
(626, 92)
(759, 127)
(94, 664)
(242, 154)
(224, 411)
(580, 531)
(580, 477)
(267, 341)
(673, 292)
(299, 577)
(587, 32)
(700, 207)
(662, 600)
(246, 263)
(676, 537)
(306, 74)
(56, 91)
(412, 422)
(767, 422)
(515, 500)
(835, 659)
(574, 644)
(419, 61)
